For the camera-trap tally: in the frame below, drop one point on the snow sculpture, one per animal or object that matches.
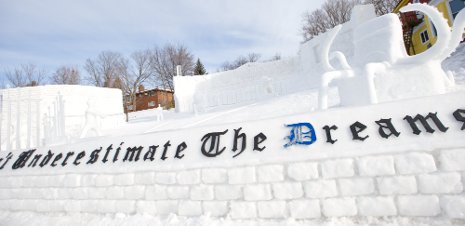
(32, 117)
(385, 72)
(93, 124)
(159, 113)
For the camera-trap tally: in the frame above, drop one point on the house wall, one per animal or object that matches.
(443, 7)
(164, 98)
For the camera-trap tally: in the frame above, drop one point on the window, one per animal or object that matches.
(152, 104)
(456, 6)
(424, 36)
(130, 107)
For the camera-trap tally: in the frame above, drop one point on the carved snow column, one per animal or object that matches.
(179, 70)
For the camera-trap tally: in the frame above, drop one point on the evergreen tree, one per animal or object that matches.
(199, 69)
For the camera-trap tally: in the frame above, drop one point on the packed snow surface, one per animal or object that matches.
(34, 219)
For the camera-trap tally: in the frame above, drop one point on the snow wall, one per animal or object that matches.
(404, 158)
(56, 114)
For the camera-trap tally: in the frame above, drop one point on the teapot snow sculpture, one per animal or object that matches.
(385, 72)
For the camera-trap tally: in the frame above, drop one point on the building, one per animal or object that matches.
(151, 98)
(419, 33)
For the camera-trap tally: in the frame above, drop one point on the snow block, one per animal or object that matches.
(420, 205)
(106, 206)
(356, 186)
(414, 163)
(96, 193)
(144, 178)
(305, 209)
(134, 192)
(89, 206)
(214, 176)
(79, 193)
(72, 206)
(62, 193)
(440, 183)
(454, 206)
(103, 180)
(156, 192)
(320, 189)
(272, 209)
(124, 179)
(188, 177)
(397, 185)
(72, 180)
(166, 207)
(177, 192)
(190, 208)
(88, 180)
(202, 192)
(302, 171)
(147, 207)
(215, 208)
(165, 178)
(243, 210)
(288, 190)
(114, 193)
(257, 192)
(270, 173)
(338, 168)
(228, 192)
(125, 206)
(244, 175)
(452, 160)
(376, 206)
(376, 166)
(339, 207)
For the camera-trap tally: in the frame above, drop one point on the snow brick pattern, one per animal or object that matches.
(411, 184)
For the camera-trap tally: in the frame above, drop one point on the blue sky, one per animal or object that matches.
(52, 33)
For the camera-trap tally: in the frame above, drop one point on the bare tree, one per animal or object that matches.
(164, 61)
(139, 70)
(335, 12)
(239, 61)
(276, 57)
(105, 71)
(66, 75)
(25, 75)
(382, 6)
(331, 14)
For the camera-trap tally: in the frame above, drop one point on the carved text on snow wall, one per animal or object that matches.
(211, 145)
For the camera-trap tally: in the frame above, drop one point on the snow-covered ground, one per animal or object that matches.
(17, 219)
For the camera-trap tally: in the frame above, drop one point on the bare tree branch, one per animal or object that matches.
(239, 61)
(25, 75)
(164, 61)
(67, 75)
(105, 71)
